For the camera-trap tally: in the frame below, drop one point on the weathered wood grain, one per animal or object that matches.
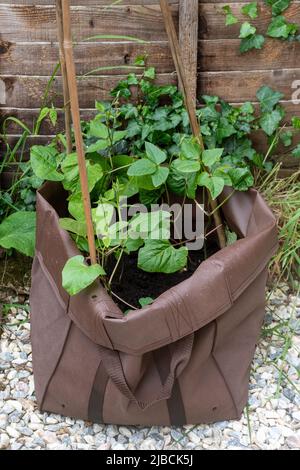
(215, 55)
(236, 86)
(224, 55)
(37, 23)
(188, 41)
(87, 2)
(28, 92)
(88, 57)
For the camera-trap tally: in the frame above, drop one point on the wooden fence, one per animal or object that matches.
(29, 53)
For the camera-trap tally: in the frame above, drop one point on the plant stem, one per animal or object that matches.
(115, 268)
(197, 238)
(123, 301)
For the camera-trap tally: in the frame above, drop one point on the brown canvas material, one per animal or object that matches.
(185, 359)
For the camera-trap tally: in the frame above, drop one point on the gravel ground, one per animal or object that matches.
(271, 422)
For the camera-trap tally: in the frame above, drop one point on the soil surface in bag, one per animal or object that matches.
(131, 283)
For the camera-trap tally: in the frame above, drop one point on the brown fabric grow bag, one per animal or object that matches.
(184, 359)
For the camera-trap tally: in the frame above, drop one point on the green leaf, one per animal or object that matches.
(160, 176)
(44, 163)
(186, 166)
(278, 6)
(222, 172)
(97, 146)
(214, 184)
(281, 28)
(94, 174)
(296, 122)
(132, 245)
(212, 156)
(142, 167)
(76, 206)
(150, 73)
(286, 138)
(153, 225)
(159, 256)
(241, 178)
(190, 150)
(18, 231)
(77, 275)
(182, 183)
(250, 10)
(256, 41)
(268, 98)
(230, 18)
(154, 153)
(53, 116)
(102, 218)
(145, 301)
(247, 30)
(231, 237)
(118, 135)
(269, 122)
(98, 129)
(247, 108)
(73, 226)
(295, 152)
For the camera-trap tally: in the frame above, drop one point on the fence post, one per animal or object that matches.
(188, 41)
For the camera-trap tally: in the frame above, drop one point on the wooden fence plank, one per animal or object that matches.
(27, 92)
(238, 86)
(88, 57)
(213, 56)
(37, 23)
(224, 55)
(235, 87)
(188, 40)
(106, 3)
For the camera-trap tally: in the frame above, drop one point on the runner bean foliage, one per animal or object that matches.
(139, 146)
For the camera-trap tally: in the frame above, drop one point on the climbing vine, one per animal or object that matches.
(279, 27)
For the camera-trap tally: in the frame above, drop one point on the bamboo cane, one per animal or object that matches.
(72, 84)
(175, 49)
(67, 107)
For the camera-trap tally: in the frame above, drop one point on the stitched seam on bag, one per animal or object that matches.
(56, 366)
(221, 372)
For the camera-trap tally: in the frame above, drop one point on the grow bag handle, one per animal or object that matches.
(179, 359)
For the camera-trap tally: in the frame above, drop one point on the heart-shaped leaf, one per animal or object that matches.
(211, 156)
(18, 231)
(77, 275)
(44, 163)
(142, 167)
(155, 154)
(159, 256)
(186, 166)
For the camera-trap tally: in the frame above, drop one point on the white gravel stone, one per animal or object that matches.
(4, 441)
(12, 432)
(294, 441)
(274, 421)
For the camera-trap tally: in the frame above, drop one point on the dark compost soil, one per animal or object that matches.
(131, 284)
